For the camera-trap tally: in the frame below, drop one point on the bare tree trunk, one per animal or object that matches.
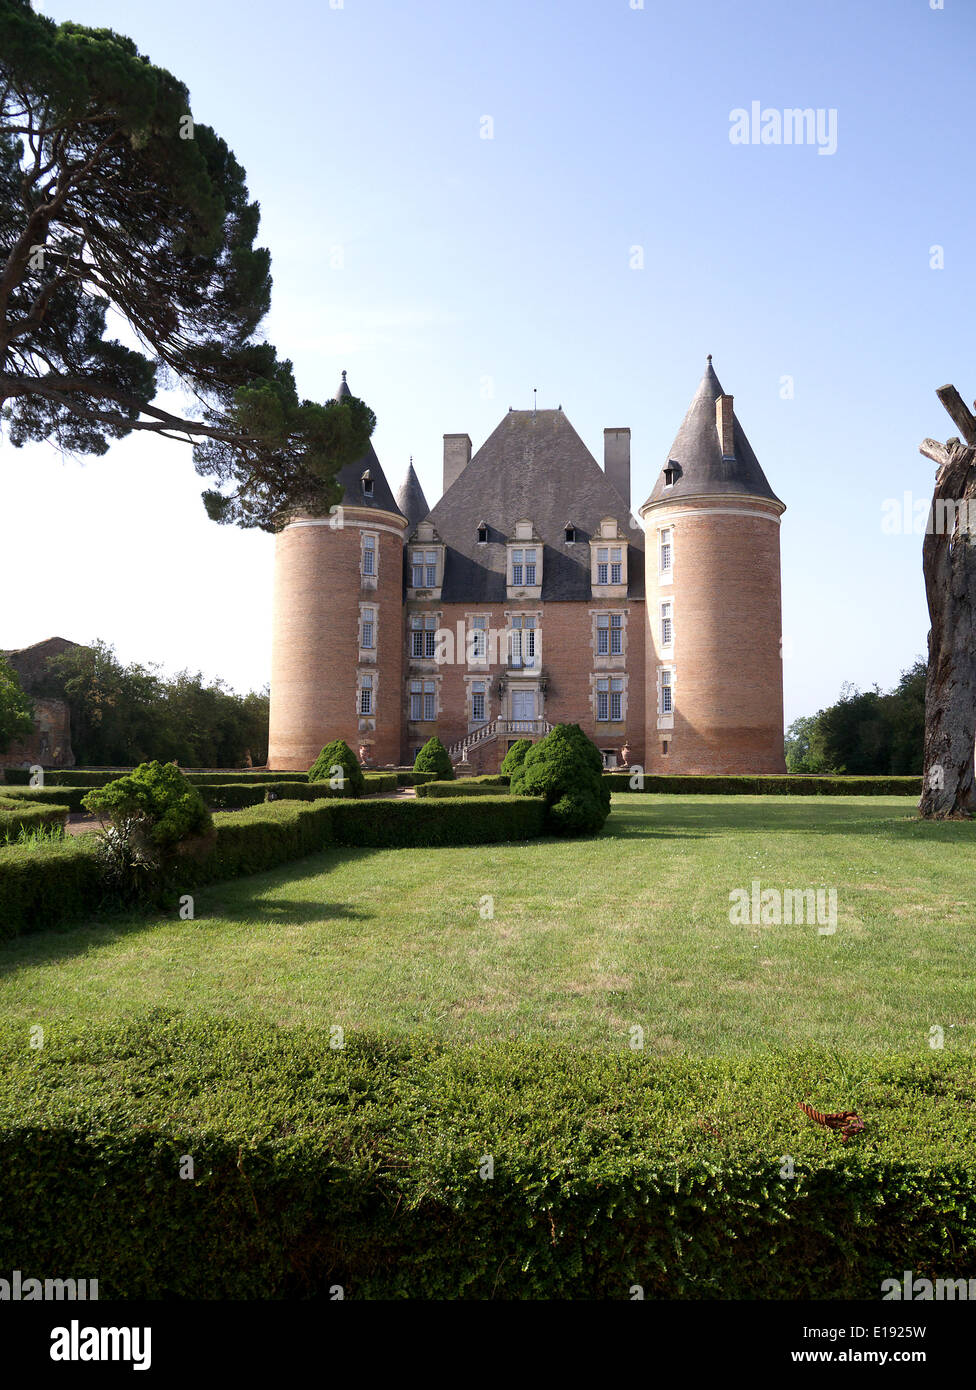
(949, 567)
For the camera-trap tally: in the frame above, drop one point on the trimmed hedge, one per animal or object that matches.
(49, 796)
(768, 785)
(464, 786)
(17, 815)
(377, 782)
(91, 777)
(44, 885)
(39, 889)
(414, 779)
(361, 1166)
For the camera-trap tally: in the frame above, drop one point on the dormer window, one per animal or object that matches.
(367, 482)
(608, 560)
(570, 533)
(525, 561)
(671, 473)
(423, 564)
(482, 533)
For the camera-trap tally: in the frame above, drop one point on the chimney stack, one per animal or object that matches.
(616, 460)
(457, 456)
(725, 424)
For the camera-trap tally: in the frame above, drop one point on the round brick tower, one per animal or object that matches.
(714, 673)
(337, 626)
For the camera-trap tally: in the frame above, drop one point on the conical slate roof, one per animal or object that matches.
(350, 477)
(697, 450)
(410, 498)
(535, 466)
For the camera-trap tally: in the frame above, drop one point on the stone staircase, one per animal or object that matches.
(498, 728)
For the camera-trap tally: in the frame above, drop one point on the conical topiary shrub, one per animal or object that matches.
(515, 756)
(566, 768)
(434, 757)
(338, 763)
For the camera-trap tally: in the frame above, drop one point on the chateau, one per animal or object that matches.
(530, 595)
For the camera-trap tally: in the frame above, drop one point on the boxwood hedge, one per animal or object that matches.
(18, 814)
(767, 786)
(363, 1167)
(40, 888)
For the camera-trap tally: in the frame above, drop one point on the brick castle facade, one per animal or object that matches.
(530, 595)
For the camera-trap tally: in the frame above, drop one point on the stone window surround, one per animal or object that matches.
(621, 675)
(662, 650)
(367, 722)
(423, 662)
(604, 540)
(422, 677)
(482, 678)
(369, 581)
(612, 660)
(511, 613)
(368, 654)
(665, 721)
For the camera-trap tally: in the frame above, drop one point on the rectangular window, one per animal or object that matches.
(517, 567)
(430, 700)
(667, 704)
(430, 635)
(431, 567)
(417, 569)
(602, 566)
(616, 634)
(603, 634)
(602, 701)
(416, 635)
(523, 641)
(366, 638)
(666, 627)
(366, 695)
(530, 567)
(478, 702)
(479, 638)
(616, 699)
(416, 701)
(369, 554)
(666, 549)
(616, 567)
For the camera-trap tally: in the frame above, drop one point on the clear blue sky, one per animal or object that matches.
(474, 270)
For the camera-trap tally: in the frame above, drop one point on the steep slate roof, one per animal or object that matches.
(410, 497)
(533, 466)
(349, 477)
(698, 450)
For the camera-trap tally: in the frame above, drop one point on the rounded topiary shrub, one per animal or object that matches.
(337, 762)
(515, 756)
(149, 817)
(566, 769)
(434, 757)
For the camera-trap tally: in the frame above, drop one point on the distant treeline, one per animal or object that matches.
(123, 715)
(866, 732)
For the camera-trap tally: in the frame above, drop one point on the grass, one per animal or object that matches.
(587, 939)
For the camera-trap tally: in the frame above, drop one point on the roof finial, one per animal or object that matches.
(535, 394)
(344, 371)
(709, 361)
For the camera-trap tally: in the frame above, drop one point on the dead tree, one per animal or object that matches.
(949, 566)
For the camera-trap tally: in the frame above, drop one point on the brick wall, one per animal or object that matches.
(728, 672)
(568, 663)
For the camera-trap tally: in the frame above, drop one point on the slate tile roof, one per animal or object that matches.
(535, 466)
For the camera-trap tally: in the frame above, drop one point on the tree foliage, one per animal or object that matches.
(866, 732)
(122, 715)
(566, 768)
(16, 708)
(113, 199)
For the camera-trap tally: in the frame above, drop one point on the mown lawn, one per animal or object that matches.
(588, 939)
